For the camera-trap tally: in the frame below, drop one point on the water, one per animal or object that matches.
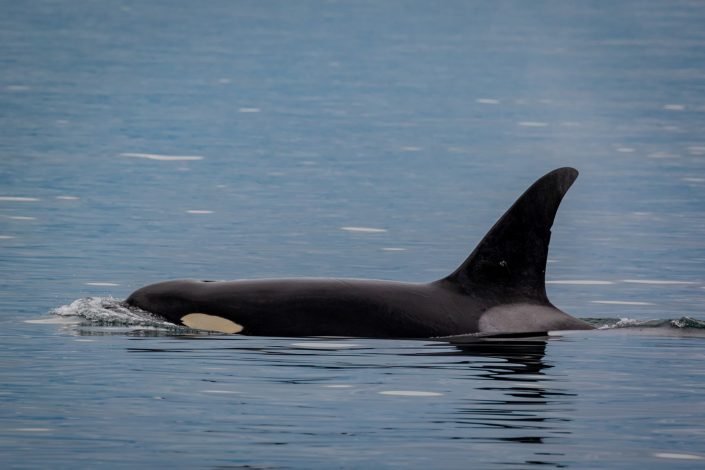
(143, 141)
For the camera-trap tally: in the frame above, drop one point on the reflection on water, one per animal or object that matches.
(501, 401)
(526, 402)
(282, 402)
(506, 395)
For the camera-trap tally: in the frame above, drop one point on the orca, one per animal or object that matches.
(498, 290)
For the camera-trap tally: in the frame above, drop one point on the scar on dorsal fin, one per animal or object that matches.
(510, 261)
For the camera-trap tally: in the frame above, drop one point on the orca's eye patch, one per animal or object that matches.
(204, 321)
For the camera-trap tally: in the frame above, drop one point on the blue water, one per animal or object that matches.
(301, 119)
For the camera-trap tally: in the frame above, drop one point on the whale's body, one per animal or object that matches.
(498, 290)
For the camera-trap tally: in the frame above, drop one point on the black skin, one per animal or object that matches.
(314, 307)
(502, 281)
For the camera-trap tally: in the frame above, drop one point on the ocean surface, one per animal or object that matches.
(149, 140)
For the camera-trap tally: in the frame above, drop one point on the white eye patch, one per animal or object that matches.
(202, 321)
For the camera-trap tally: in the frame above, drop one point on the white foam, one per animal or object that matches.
(102, 284)
(694, 180)
(83, 340)
(410, 393)
(679, 456)
(249, 110)
(17, 87)
(20, 217)
(696, 150)
(620, 302)
(533, 124)
(625, 150)
(55, 321)
(487, 101)
(33, 429)
(674, 107)
(103, 310)
(660, 282)
(411, 149)
(322, 345)
(581, 282)
(364, 229)
(164, 158)
(17, 199)
(391, 248)
(68, 198)
(6, 237)
(221, 392)
(338, 386)
(195, 211)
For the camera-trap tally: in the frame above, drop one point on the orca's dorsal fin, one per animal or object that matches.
(510, 261)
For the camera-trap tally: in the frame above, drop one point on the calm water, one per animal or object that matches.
(143, 141)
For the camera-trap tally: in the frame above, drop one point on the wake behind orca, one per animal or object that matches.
(498, 290)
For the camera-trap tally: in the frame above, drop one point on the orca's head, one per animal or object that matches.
(170, 299)
(183, 302)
